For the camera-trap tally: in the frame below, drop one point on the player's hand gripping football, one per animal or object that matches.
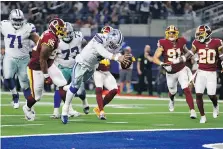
(47, 79)
(125, 59)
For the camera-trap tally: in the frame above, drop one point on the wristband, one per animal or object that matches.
(115, 57)
(161, 63)
(46, 75)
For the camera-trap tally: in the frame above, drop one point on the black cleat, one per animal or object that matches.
(86, 110)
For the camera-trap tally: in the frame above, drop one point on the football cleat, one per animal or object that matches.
(203, 119)
(64, 119)
(102, 115)
(86, 109)
(15, 103)
(73, 113)
(193, 114)
(29, 113)
(171, 106)
(215, 111)
(96, 111)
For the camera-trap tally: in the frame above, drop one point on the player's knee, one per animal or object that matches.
(199, 96)
(172, 91)
(98, 90)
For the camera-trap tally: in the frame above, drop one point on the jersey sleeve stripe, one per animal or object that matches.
(98, 38)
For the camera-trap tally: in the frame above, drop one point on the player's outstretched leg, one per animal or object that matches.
(57, 101)
(171, 102)
(200, 105)
(10, 84)
(214, 100)
(69, 95)
(190, 102)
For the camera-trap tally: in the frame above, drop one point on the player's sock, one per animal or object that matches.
(214, 100)
(108, 98)
(62, 93)
(10, 84)
(69, 95)
(30, 101)
(171, 96)
(189, 98)
(57, 99)
(27, 93)
(99, 98)
(200, 103)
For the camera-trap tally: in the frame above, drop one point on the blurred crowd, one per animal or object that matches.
(94, 14)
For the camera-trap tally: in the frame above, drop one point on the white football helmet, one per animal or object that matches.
(17, 18)
(70, 32)
(114, 41)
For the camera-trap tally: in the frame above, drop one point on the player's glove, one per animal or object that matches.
(167, 66)
(47, 79)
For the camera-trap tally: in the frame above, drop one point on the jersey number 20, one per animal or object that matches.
(13, 38)
(207, 57)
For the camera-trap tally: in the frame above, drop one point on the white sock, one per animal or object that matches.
(67, 103)
(56, 111)
(85, 102)
(14, 90)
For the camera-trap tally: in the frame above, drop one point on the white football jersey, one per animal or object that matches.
(67, 52)
(94, 52)
(17, 42)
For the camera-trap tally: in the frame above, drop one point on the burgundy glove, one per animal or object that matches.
(47, 79)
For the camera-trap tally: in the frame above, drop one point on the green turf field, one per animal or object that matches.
(122, 114)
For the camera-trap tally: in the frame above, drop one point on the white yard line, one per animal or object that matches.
(124, 97)
(107, 113)
(112, 131)
(21, 125)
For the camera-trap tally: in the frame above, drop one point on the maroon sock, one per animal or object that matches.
(214, 100)
(189, 98)
(99, 98)
(200, 103)
(62, 93)
(31, 101)
(108, 98)
(171, 96)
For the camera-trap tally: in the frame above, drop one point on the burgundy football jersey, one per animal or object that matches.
(207, 53)
(49, 39)
(173, 50)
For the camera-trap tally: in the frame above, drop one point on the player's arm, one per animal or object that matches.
(156, 57)
(44, 56)
(117, 57)
(34, 37)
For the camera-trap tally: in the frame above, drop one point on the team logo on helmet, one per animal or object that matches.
(203, 32)
(106, 29)
(172, 33)
(58, 27)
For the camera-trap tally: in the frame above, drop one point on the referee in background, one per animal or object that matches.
(144, 69)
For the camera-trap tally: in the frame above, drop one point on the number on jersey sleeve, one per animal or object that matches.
(207, 56)
(13, 38)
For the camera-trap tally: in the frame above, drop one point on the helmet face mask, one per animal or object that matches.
(114, 41)
(70, 33)
(203, 33)
(58, 27)
(171, 33)
(17, 18)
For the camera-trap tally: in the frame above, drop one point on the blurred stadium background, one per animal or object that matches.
(141, 22)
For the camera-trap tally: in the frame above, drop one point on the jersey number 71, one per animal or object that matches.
(13, 38)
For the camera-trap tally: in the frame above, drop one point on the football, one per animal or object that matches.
(126, 66)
